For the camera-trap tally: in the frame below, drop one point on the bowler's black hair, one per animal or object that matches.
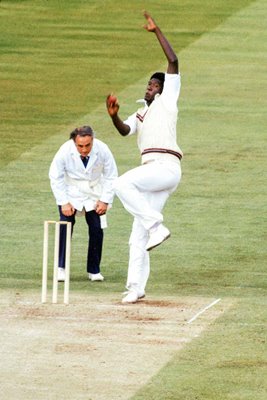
(160, 76)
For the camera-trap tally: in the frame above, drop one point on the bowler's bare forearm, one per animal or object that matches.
(173, 65)
(151, 26)
(120, 125)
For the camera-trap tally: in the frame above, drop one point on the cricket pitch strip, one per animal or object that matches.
(95, 348)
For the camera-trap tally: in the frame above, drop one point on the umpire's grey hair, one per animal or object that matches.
(82, 131)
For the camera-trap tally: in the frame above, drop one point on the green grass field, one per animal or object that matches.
(59, 60)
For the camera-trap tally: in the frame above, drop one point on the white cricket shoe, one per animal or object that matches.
(95, 277)
(159, 235)
(61, 275)
(132, 297)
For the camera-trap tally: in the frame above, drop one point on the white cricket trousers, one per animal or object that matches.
(143, 192)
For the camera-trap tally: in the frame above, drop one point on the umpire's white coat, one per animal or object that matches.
(72, 183)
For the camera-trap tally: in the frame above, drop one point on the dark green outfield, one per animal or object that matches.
(59, 59)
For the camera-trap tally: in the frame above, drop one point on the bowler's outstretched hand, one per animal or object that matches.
(151, 24)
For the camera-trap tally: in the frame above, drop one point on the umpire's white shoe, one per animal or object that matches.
(61, 275)
(159, 235)
(95, 277)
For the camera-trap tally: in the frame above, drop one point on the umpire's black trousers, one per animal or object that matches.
(95, 240)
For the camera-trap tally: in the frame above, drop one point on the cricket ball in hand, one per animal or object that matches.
(112, 100)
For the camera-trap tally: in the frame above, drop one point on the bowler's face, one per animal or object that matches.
(84, 144)
(153, 87)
